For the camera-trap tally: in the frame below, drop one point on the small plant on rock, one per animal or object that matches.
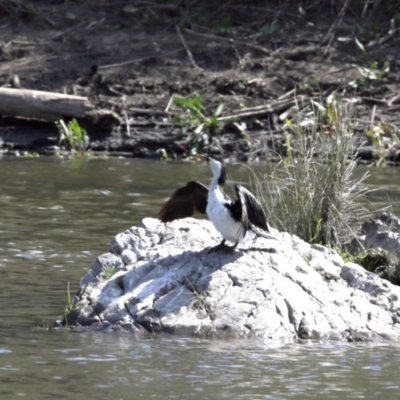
(108, 271)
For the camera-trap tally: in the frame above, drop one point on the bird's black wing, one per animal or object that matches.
(252, 208)
(185, 202)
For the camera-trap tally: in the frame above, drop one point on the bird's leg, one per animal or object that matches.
(224, 247)
(217, 247)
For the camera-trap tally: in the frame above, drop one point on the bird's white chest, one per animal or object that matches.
(220, 216)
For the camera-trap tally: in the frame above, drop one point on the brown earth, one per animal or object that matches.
(128, 57)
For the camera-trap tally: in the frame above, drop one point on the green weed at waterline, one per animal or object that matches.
(73, 136)
(69, 306)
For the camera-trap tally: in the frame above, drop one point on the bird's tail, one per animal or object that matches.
(263, 234)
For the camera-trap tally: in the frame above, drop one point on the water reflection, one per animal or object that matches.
(57, 216)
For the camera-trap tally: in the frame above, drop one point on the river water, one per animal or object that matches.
(56, 216)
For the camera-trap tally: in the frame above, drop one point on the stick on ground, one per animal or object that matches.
(189, 53)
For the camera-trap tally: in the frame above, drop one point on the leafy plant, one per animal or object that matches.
(163, 154)
(73, 136)
(199, 126)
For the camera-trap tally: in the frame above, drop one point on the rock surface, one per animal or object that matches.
(383, 232)
(274, 290)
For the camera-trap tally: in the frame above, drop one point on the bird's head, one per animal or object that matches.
(216, 166)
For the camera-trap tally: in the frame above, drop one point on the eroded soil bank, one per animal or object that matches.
(129, 57)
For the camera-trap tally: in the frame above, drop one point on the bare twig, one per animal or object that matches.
(116, 92)
(330, 35)
(265, 10)
(189, 53)
(289, 93)
(229, 40)
(371, 122)
(121, 64)
(384, 39)
(128, 128)
(374, 100)
(147, 111)
(273, 108)
(171, 100)
(63, 33)
(393, 100)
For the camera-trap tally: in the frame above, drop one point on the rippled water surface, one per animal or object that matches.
(57, 216)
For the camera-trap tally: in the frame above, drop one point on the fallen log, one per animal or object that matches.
(41, 105)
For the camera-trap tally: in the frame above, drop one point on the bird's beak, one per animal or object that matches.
(202, 157)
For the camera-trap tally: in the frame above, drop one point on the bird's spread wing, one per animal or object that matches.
(185, 202)
(252, 208)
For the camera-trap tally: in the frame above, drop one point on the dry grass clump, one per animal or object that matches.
(313, 192)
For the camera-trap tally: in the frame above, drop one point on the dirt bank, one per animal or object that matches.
(129, 57)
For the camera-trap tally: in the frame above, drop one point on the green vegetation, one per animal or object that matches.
(370, 73)
(312, 192)
(163, 155)
(73, 136)
(69, 306)
(43, 327)
(28, 154)
(195, 121)
(200, 299)
(108, 271)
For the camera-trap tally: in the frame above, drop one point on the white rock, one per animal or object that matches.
(276, 291)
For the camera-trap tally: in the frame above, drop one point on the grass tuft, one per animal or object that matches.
(69, 306)
(313, 192)
(108, 271)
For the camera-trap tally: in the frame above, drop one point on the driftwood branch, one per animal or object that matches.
(36, 104)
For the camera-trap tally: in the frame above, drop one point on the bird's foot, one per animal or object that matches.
(222, 247)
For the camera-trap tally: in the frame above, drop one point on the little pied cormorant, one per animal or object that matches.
(232, 218)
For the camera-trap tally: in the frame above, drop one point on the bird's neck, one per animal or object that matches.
(214, 185)
(221, 177)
